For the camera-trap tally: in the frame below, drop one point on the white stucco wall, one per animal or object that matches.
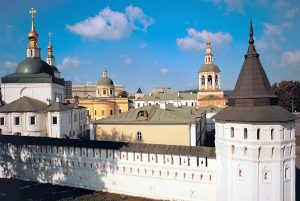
(254, 169)
(39, 91)
(140, 174)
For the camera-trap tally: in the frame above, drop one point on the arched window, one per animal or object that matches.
(209, 79)
(259, 151)
(258, 134)
(232, 132)
(232, 149)
(291, 130)
(272, 133)
(216, 80)
(139, 135)
(202, 80)
(245, 151)
(287, 173)
(245, 133)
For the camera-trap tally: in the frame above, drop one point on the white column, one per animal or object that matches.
(213, 81)
(205, 80)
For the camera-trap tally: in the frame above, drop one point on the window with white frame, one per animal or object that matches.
(32, 120)
(139, 135)
(2, 121)
(54, 120)
(17, 121)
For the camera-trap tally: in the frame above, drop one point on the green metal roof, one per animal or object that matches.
(105, 81)
(34, 66)
(155, 115)
(168, 96)
(209, 68)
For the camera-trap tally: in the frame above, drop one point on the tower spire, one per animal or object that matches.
(50, 58)
(209, 57)
(251, 40)
(33, 50)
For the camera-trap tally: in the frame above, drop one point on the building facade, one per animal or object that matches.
(34, 95)
(176, 99)
(255, 139)
(155, 124)
(104, 103)
(210, 92)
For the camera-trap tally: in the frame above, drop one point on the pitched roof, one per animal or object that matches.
(139, 91)
(253, 99)
(24, 104)
(168, 96)
(122, 146)
(153, 114)
(57, 107)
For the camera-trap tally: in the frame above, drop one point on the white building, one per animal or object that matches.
(33, 98)
(254, 157)
(176, 99)
(255, 140)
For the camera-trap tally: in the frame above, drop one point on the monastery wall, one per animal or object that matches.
(112, 166)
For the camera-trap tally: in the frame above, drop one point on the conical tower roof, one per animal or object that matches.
(252, 81)
(253, 99)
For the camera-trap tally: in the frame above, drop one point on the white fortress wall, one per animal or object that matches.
(113, 167)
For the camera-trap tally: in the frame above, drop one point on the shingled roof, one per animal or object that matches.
(24, 104)
(253, 99)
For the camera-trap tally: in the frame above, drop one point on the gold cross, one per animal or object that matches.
(32, 12)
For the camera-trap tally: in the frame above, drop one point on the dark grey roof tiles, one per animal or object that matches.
(208, 152)
(24, 104)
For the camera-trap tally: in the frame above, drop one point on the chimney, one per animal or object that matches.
(162, 105)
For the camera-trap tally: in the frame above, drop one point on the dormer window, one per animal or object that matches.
(142, 114)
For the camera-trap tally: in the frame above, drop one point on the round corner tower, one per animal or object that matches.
(255, 140)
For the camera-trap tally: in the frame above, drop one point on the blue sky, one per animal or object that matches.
(154, 43)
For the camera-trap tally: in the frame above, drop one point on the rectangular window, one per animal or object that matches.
(32, 120)
(95, 112)
(54, 120)
(111, 112)
(110, 92)
(2, 121)
(17, 121)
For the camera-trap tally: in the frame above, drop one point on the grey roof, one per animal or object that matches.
(209, 68)
(27, 104)
(139, 91)
(168, 96)
(155, 115)
(57, 107)
(24, 104)
(54, 68)
(34, 66)
(253, 99)
(208, 152)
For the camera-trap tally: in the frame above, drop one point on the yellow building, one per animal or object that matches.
(105, 103)
(155, 124)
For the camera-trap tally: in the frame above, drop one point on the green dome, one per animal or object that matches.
(105, 81)
(34, 66)
(209, 68)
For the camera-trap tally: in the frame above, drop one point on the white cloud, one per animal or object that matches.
(197, 40)
(70, 63)
(112, 25)
(164, 71)
(231, 5)
(287, 9)
(290, 58)
(273, 35)
(136, 14)
(10, 64)
(128, 60)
